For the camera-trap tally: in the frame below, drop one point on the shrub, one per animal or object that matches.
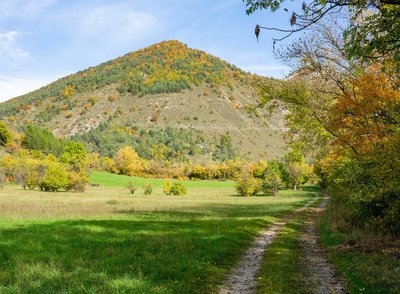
(167, 188)
(247, 185)
(77, 181)
(55, 178)
(178, 189)
(200, 172)
(148, 189)
(131, 187)
(108, 164)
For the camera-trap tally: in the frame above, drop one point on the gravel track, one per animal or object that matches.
(243, 278)
(320, 274)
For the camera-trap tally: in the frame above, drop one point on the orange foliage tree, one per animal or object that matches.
(369, 115)
(365, 158)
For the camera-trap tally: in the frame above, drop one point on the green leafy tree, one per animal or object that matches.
(224, 149)
(297, 169)
(5, 135)
(37, 138)
(272, 178)
(75, 155)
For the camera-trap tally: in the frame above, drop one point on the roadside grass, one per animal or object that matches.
(369, 268)
(108, 241)
(282, 270)
(114, 180)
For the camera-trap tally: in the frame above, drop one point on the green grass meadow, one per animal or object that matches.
(114, 180)
(107, 240)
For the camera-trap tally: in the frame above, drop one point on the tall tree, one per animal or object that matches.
(374, 24)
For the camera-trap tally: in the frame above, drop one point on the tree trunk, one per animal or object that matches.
(275, 190)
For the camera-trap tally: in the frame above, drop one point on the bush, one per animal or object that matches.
(148, 189)
(131, 187)
(167, 188)
(77, 181)
(55, 178)
(178, 189)
(200, 172)
(174, 188)
(247, 185)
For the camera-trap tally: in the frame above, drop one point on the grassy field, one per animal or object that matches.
(113, 180)
(109, 241)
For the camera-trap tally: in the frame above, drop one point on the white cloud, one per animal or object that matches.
(11, 87)
(9, 48)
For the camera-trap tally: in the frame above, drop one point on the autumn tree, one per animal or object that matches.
(373, 24)
(128, 162)
(368, 115)
(364, 161)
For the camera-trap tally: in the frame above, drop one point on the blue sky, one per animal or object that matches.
(43, 40)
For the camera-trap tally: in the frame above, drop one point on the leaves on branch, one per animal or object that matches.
(257, 31)
(293, 19)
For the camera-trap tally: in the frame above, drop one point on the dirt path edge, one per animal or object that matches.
(243, 278)
(320, 275)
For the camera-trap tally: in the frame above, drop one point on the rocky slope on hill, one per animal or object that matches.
(164, 86)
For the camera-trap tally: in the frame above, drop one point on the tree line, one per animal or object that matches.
(343, 98)
(38, 160)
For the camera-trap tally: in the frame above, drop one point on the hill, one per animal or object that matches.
(163, 96)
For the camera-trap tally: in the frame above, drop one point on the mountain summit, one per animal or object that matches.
(166, 85)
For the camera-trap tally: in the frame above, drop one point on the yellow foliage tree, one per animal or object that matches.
(128, 162)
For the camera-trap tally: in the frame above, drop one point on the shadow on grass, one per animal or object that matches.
(146, 252)
(313, 188)
(122, 256)
(223, 212)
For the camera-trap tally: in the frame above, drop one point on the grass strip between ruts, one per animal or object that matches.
(282, 267)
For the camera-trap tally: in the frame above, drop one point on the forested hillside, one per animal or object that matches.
(150, 92)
